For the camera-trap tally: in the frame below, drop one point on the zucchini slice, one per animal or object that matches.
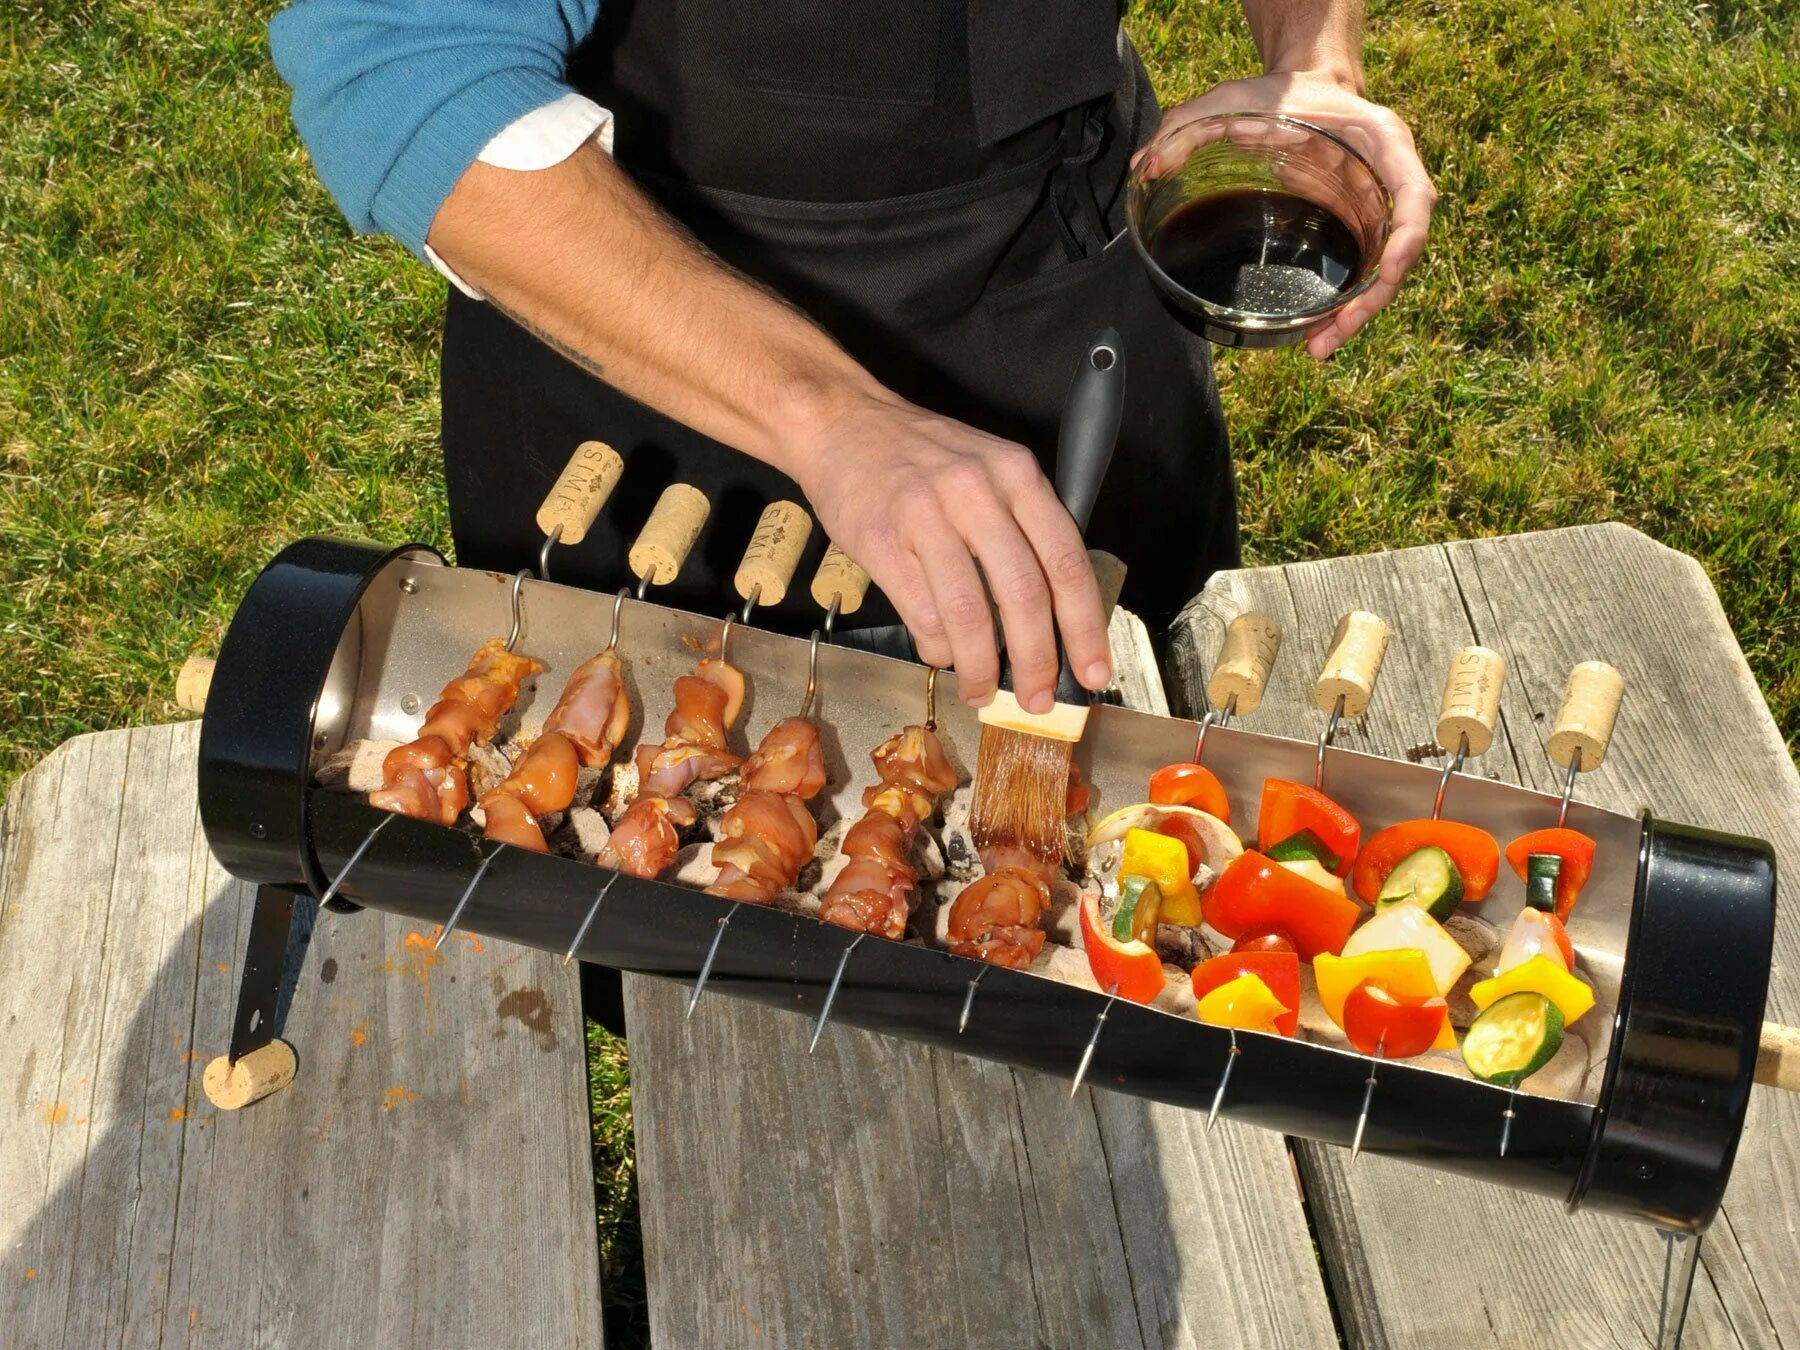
(1140, 899)
(1301, 847)
(1426, 877)
(1541, 873)
(1513, 1039)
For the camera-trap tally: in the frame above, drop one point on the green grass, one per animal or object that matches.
(197, 363)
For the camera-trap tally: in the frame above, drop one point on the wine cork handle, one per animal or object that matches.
(1353, 663)
(194, 682)
(1778, 1057)
(1584, 723)
(667, 538)
(840, 577)
(774, 553)
(263, 1071)
(580, 490)
(1471, 705)
(1109, 571)
(1245, 658)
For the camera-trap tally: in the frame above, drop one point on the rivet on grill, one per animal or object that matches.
(831, 993)
(258, 830)
(1087, 1055)
(409, 704)
(586, 923)
(962, 1023)
(1218, 1100)
(706, 966)
(408, 585)
(356, 857)
(468, 891)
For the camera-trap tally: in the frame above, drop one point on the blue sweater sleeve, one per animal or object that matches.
(396, 98)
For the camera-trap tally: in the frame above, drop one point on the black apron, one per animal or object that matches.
(939, 184)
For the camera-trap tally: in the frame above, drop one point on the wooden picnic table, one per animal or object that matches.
(880, 1192)
(426, 1180)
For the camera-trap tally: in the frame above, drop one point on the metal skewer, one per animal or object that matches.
(343, 875)
(1362, 1118)
(1087, 1055)
(1218, 1100)
(1347, 681)
(468, 891)
(962, 1023)
(1468, 712)
(1241, 673)
(575, 498)
(831, 993)
(838, 586)
(1681, 1259)
(1507, 1117)
(512, 638)
(587, 922)
(706, 966)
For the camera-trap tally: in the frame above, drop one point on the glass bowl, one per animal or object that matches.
(1256, 226)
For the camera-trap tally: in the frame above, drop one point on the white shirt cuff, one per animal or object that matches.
(543, 137)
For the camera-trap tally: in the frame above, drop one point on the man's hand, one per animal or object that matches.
(1334, 101)
(578, 256)
(920, 501)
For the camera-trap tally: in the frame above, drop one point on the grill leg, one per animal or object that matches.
(257, 1064)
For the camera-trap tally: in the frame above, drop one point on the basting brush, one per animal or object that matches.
(1022, 768)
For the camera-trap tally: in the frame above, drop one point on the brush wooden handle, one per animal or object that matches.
(667, 538)
(193, 682)
(580, 490)
(774, 553)
(1353, 663)
(1471, 704)
(841, 578)
(1246, 656)
(1584, 723)
(1778, 1057)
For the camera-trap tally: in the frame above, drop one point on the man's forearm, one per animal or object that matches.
(1322, 36)
(581, 258)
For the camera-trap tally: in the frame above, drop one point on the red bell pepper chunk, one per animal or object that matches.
(1574, 848)
(1258, 893)
(1190, 785)
(1476, 855)
(1279, 970)
(1288, 808)
(1131, 969)
(1390, 1026)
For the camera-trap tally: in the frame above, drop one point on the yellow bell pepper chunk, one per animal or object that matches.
(1165, 861)
(1539, 975)
(1405, 974)
(1245, 1003)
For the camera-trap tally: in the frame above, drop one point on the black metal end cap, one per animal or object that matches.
(256, 737)
(1690, 1013)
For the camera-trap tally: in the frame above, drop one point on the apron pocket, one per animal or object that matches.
(848, 51)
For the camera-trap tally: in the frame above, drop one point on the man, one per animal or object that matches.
(848, 250)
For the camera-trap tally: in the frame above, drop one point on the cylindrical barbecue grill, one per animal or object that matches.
(338, 642)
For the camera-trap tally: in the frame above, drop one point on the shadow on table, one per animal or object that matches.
(317, 1216)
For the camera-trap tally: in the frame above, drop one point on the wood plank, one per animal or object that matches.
(1522, 1273)
(425, 1181)
(880, 1192)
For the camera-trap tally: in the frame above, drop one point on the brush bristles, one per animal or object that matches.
(1021, 793)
